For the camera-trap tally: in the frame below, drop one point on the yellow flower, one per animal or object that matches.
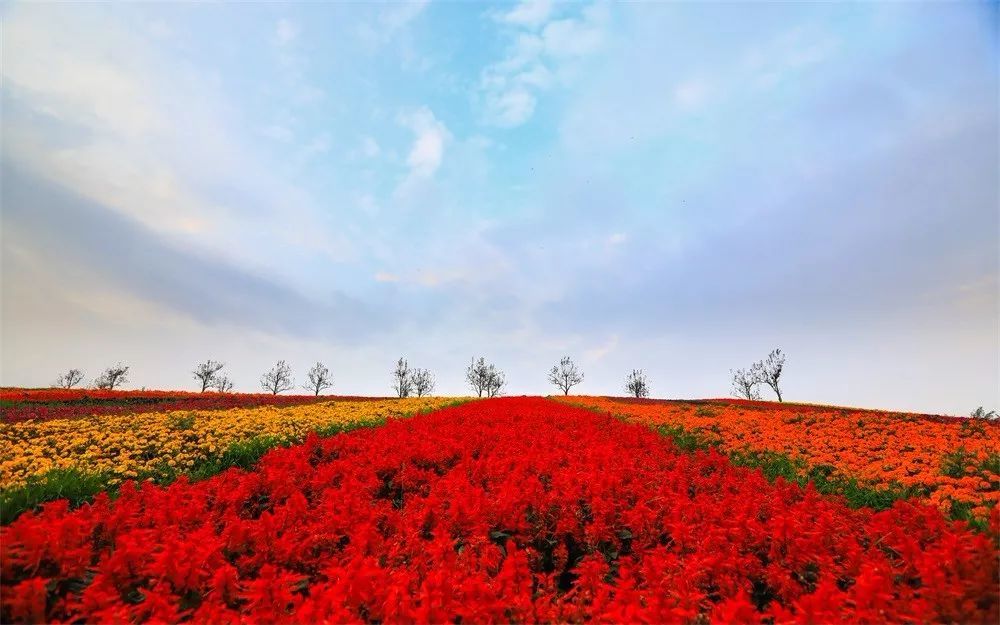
(129, 444)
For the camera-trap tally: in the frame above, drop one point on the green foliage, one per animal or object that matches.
(824, 478)
(954, 463)
(991, 464)
(687, 440)
(181, 422)
(73, 484)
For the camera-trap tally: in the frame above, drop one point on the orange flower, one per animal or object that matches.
(955, 458)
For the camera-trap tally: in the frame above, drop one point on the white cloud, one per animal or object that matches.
(511, 108)
(617, 238)
(509, 88)
(104, 112)
(390, 21)
(74, 88)
(528, 13)
(430, 137)
(384, 276)
(577, 37)
(286, 31)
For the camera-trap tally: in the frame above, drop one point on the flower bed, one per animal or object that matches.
(509, 510)
(52, 403)
(954, 461)
(134, 445)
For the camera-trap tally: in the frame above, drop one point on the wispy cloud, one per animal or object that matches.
(509, 89)
(429, 139)
(390, 20)
(528, 13)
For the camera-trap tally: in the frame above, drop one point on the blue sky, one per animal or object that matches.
(677, 187)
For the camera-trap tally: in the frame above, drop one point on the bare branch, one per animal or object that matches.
(206, 373)
(112, 377)
(278, 379)
(745, 383)
(319, 379)
(770, 370)
(565, 375)
(423, 382)
(402, 382)
(636, 384)
(223, 384)
(69, 379)
(484, 378)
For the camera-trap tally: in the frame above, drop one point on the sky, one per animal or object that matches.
(676, 187)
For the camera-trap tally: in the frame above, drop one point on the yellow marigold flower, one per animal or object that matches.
(132, 444)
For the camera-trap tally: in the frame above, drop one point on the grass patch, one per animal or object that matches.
(73, 484)
(687, 440)
(824, 479)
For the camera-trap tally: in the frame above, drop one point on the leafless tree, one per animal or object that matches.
(223, 384)
(402, 383)
(476, 376)
(484, 378)
(636, 384)
(495, 382)
(278, 379)
(565, 375)
(982, 413)
(423, 382)
(770, 370)
(746, 383)
(112, 377)
(206, 373)
(319, 379)
(69, 379)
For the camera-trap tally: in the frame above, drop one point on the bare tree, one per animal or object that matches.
(636, 384)
(223, 384)
(477, 375)
(278, 379)
(770, 370)
(484, 378)
(402, 383)
(745, 383)
(423, 382)
(565, 375)
(495, 382)
(982, 413)
(112, 377)
(206, 373)
(319, 379)
(69, 379)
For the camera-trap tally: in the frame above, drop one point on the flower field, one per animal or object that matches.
(509, 510)
(951, 461)
(50, 403)
(134, 445)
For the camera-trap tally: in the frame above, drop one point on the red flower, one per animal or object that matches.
(503, 510)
